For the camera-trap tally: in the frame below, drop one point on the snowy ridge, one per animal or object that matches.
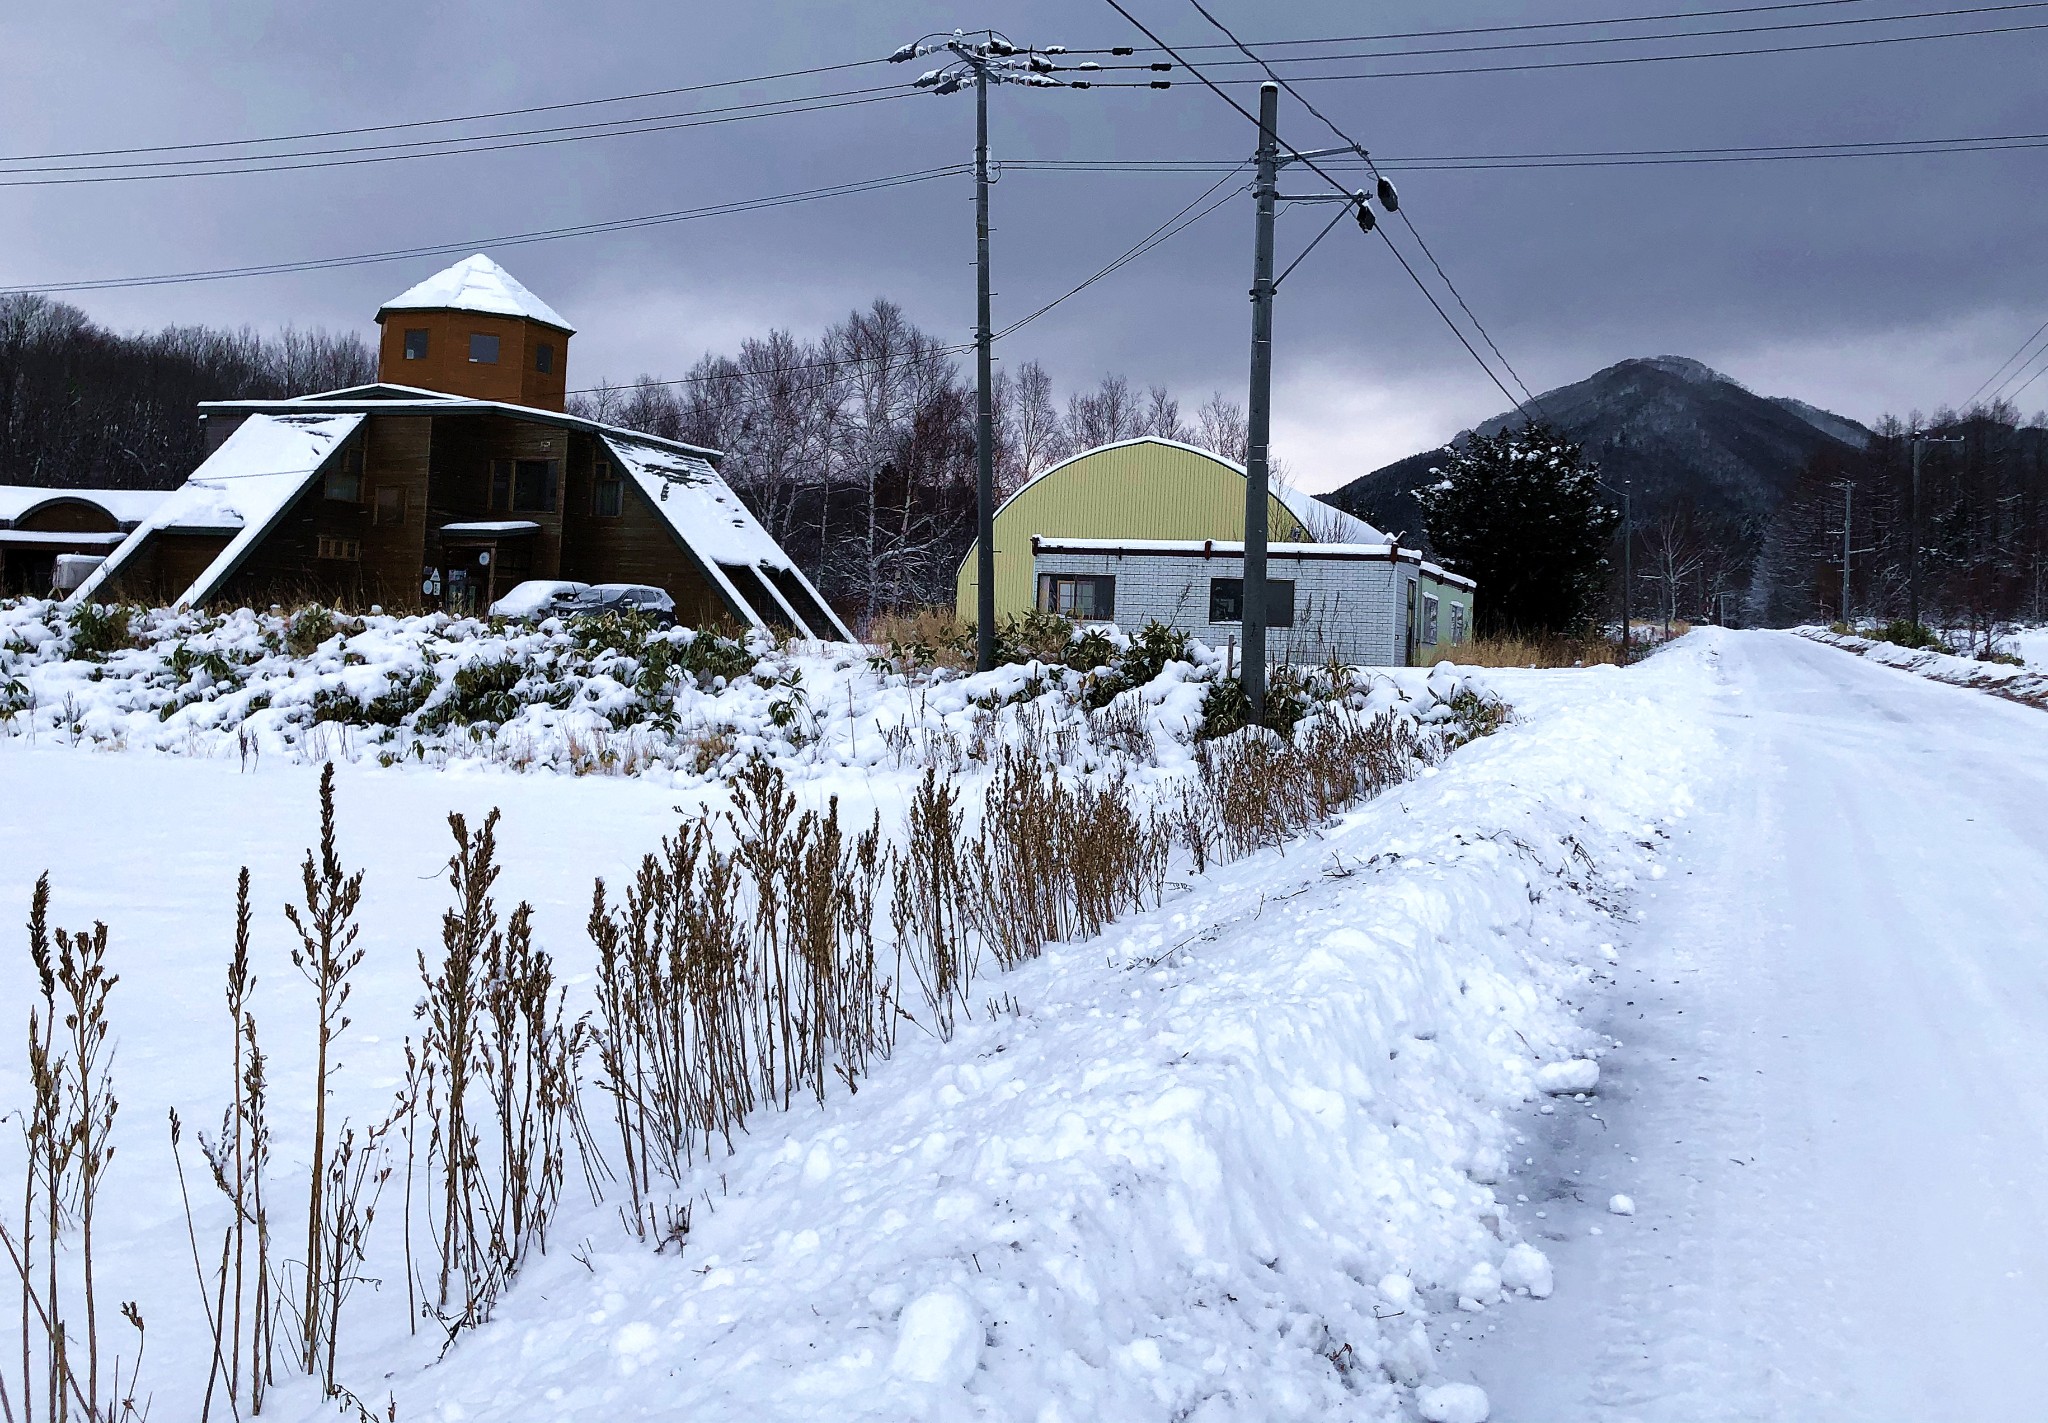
(1231, 1162)
(2027, 684)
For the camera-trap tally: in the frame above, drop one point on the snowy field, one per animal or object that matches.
(1253, 1154)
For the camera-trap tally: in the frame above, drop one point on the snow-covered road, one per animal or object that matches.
(1829, 1108)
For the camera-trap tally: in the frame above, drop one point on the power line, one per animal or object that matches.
(1581, 41)
(1500, 29)
(1615, 60)
(436, 123)
(508, 240)
(1585, 158)
(1312, 165)
(2015, 356)
(572, 133)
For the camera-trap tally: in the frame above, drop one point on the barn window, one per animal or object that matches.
(390, 503)
(349, 549)
(483, 350)
(1077, 596)
(607, 493)
(533, 486)
(544, 357)
(1429, 619)
(415, 344)
(1457, 622)
(1226, 601)
(345, 480)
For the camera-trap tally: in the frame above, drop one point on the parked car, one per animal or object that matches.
(557, 598)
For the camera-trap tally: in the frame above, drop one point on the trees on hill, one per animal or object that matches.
(1523, 513)
(81, 406)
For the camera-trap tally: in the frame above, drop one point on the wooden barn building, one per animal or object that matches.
(42, 528)
(455, 476)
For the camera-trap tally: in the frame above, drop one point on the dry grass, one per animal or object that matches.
(1513, 650)
(930, 636)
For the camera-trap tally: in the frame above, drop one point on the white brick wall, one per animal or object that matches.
(1352, 608)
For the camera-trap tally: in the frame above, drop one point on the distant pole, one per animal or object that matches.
(1258, 422)
(984, 399)
(1913, 556)
(1628, 571)
(1848, 512)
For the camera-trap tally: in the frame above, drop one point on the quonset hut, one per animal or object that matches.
(1152, 530)
(458, 474)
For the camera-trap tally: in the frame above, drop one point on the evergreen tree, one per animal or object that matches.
(1523, 514)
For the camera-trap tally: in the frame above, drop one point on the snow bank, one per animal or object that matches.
(2027, 683)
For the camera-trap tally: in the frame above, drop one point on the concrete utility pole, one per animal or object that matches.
(1848, 510)
(984, 399)
(1259, 415)
(984, 58)
(1920, 440)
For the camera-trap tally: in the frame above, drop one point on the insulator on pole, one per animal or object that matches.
(1366, 221)
(1389, 199)
(908, 51)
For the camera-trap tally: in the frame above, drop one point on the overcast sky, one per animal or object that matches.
(1864, 285)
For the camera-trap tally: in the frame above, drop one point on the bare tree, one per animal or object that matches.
(1220, 427)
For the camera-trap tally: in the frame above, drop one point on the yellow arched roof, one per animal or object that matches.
(1147, 488)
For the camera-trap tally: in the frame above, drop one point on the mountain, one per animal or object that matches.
(1677, 430)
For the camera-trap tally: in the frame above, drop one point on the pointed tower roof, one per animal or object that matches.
(477, 284)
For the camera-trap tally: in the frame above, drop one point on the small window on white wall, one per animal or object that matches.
(1429, 619)
(1457, 623)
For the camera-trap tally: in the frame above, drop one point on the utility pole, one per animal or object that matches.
(991, 58)
(984, 399)
(1848, 517)
(1920, 440)
(1628, 569)
(1259, 414)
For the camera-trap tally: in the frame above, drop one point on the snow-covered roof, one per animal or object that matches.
(1234, 548)
(125, 506)
(1315, 516)
(710, 521)
(25, 538)
(243, 486)
(376, 390)
(477, 284)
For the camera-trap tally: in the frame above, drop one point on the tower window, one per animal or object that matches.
(544, 357)
(415, 344)
(483, 350)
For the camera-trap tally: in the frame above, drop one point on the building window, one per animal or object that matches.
(544, 357)
(533, 486)
(483, 350)
(607, 493)
(348, 549)
(390, 504)
(1457, 623)
(345, 481)
(501, 484)
(1226, 601)
(1429, 619)
(415, 344)
(1089, 598)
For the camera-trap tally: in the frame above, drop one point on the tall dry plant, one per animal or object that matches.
(499, 1065)
(932, 904)
(68, 1133)
(326, 956)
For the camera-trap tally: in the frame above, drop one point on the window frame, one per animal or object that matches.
(426, 342)
(343, 482)
(544, 357)
(494, 344)
(329, 548)
(1222, 599)
(1432, 619)
(549, 471)
(606, 481)
(378, 515)
(1101, 588)
(1457, 622)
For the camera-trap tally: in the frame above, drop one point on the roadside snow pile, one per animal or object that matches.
(1230, 1161)
(608, 695)
(2027, 684)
